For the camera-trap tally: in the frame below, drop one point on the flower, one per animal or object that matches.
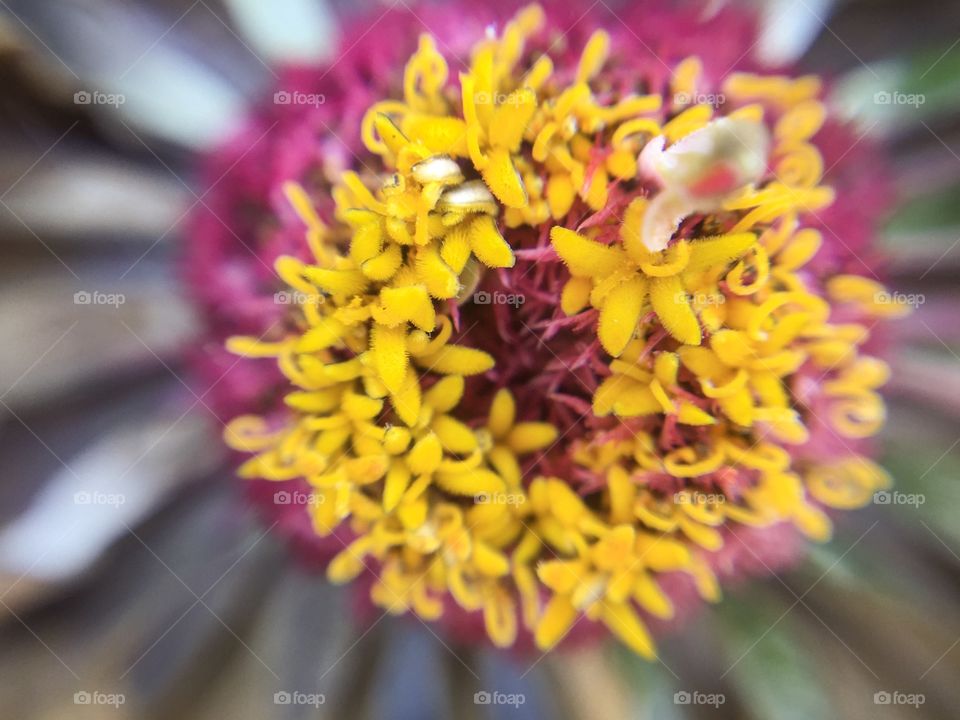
(109, 482)
(657, 382)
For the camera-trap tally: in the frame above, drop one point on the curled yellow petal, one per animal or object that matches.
(445, 394)
(407, 401)
(425, 456)
(503, 409)
(623, 622)
(337, 282)
(438, 277)
(389, 346)
(504, 181)
(672, 306)
(454, 435)
(584, 257)
(456, 360)
(557, 619)
(719, 251)
(488, 244)
(500, 618)
(576, 295)
(531, 436)
(620, 314)
(473, 482)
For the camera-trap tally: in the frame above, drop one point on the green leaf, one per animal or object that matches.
(929, 212)
(769, 663)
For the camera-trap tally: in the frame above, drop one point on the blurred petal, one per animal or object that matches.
(140, 58)
(286, 31)
(789, 28)
(81, 330)
(97, 496)
(169, 95)
(87, 198)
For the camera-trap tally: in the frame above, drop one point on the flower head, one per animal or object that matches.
(564, 335)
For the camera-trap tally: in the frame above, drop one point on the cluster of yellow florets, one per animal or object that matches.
(437, 502)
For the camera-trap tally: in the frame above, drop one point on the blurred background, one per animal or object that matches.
(136, 583)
